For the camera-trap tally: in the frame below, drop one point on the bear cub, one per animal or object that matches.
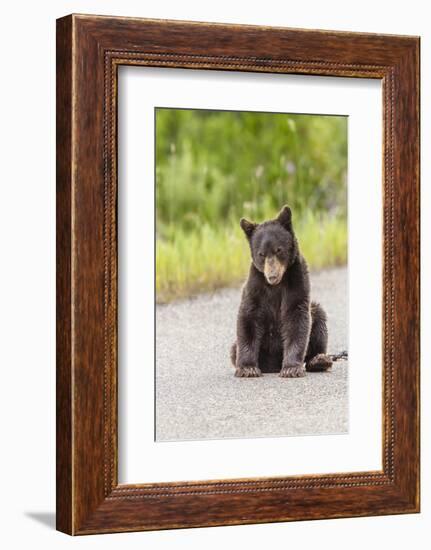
(278, 328)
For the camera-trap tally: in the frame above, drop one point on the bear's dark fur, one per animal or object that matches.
(278, 327)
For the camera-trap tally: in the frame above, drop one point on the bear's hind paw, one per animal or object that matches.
(319, 363)
(247, 372)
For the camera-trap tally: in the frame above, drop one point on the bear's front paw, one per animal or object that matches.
(247, 372)
(296, 371)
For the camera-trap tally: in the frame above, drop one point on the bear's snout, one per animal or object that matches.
(273, 270)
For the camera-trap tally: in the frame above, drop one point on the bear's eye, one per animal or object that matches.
(261, 254)
(278, 250)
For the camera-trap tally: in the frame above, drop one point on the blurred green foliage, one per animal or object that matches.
(213, 167)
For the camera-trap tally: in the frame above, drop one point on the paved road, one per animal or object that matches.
(197, 396)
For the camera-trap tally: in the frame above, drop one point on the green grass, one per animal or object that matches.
(213, 167)
(213, 257)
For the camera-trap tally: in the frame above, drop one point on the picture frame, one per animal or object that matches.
(89, 51)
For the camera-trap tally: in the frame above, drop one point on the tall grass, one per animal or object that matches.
(211, 165)
(214, 167)
(215, 257)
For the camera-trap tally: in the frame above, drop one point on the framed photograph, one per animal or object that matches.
(237, 274)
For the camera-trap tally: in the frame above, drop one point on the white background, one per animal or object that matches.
(27, 122)
(141, 458)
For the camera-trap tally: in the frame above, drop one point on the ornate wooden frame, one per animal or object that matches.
(89, 51)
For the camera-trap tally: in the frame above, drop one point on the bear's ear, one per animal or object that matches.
(285, 218)
(247, 227)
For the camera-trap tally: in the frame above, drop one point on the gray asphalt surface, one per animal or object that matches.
(198, 397)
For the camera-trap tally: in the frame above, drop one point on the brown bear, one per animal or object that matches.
(278, 327)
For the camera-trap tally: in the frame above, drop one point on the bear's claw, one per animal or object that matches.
(292, 372)
(247, 372)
